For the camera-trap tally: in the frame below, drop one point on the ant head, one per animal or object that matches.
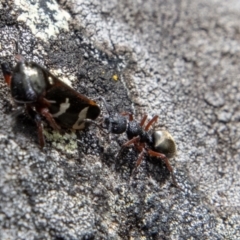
(116, 124)
(164, 143)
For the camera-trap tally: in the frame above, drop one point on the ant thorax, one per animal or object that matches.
(134, 129)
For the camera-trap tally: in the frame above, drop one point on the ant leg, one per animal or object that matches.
(130, 115)
(143, 120)
(151, 122)
(140, 146)
(128, 143)
(140, 158)
(162, 157)
(166, 161)
(50, 119)
(133, 140)
(105, 104)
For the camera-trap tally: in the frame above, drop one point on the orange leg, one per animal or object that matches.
(166, 161)
(163, 157)
(50, 119)
(143, 120)
(141, 148)
(151, 122)
(6, 73)
(128, 143)
(130, 116)
(133, 140)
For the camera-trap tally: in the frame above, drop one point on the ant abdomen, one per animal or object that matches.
(133, 129)
(163, 142)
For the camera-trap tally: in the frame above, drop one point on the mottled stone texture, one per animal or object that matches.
(176, 59)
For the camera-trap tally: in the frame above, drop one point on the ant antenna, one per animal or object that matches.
(105, 104)
(87, 120)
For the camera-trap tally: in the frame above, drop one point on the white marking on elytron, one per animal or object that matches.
(81, 116)
(63, 108)
(50, 80)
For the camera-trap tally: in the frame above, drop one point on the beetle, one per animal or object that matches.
(154, 142)
(44, 95)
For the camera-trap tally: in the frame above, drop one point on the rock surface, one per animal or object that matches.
(176, 59)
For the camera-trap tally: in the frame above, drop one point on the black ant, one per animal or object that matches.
(155, 143)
